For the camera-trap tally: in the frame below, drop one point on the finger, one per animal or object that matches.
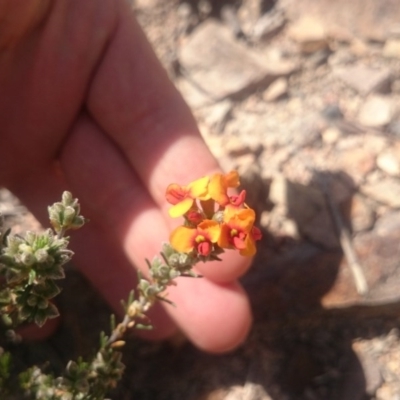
(215, 317)
(133, 100)
(117, 201)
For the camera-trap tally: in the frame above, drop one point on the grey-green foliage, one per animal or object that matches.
(32, 263)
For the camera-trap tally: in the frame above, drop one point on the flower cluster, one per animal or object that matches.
(214, 219)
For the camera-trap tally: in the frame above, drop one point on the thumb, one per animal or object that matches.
(18, 18)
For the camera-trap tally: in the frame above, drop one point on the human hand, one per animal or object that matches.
(85, 106)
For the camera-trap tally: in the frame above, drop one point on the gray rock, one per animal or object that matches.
(358, 162)
(309, 33)
(384, 191)
(367, 19)
(365, 79)
(276, 90)
(221, 66)
(389, 161)
(378, 252)
(216, 115)
(229, 16)
(388, 391)
(388, 224)
(271, 161)
(341, 57)
(372, 375)
(318, 58)
(332, 113)
(391, 48)
(377, 111)
(331, 135)
(235, 146)
(362, 214)
(268, 25)
(394, 128)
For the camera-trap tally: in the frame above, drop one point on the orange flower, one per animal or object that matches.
(182, 198)
(238, 231)
(201, 238)
(219, 185)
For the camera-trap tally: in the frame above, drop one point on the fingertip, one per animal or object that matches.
(237, 330)
(216, 318)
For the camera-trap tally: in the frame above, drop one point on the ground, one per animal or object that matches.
(303, 98)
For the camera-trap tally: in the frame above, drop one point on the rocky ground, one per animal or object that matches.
(303, 98)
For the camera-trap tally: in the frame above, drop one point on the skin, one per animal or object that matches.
(85, 106)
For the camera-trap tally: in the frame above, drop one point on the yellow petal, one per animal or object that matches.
(212, 229)
(223, 240)
(181, 208)
(250, 248)
(217, 190)
(181, 239)
(240, 218)
(232, 179)
(199, 188)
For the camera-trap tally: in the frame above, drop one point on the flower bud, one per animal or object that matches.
(219, 217)
(194, 217)
(66, 198)
(118, 344)
(173, 260)
(133, 310)
(69, 215)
